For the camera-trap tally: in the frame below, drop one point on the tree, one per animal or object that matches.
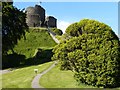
(57, 31)
(74, 30)
(13, 26)
(94, 55)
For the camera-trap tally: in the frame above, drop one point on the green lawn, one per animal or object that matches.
(0, 82)
(60, 79)
(22, 78)
(57, 78)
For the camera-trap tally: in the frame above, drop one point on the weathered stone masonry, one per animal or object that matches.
(36, 17)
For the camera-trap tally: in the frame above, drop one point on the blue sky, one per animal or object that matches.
(70, 12)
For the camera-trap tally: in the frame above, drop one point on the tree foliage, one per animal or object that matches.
(13, 26)
(94, 55)
(73, 30)
(57, 31)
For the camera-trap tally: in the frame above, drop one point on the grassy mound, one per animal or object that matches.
(35, 38)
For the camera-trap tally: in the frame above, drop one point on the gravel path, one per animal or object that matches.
(54, 38)
(35, 82)
(4, 71)
(52, 34)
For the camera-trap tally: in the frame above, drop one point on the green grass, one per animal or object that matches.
(35, 38)
(57, 78)
(0, 82)
(22, 78)
(63, 37)
(60, 79)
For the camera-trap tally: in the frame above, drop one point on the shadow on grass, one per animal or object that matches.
(40, 57)
(19, 61)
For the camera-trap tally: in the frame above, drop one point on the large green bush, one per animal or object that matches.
(87, 26)
(94, 55)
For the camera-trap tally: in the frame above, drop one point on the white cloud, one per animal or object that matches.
(62, 25)
(46, 14)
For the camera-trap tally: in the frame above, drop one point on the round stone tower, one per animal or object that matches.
(41, 11)
(35, 16)
(30, 10)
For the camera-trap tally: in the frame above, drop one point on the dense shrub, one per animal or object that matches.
(57, 31)
(87, 26)
(94, 56)
(74, 30)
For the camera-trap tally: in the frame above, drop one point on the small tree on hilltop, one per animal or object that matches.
(57, 31)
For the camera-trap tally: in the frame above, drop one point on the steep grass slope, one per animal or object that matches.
(35, 38)
(27, 49)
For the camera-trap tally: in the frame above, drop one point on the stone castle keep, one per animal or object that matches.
(36, 17)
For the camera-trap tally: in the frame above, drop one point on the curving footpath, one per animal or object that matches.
(35, 82)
